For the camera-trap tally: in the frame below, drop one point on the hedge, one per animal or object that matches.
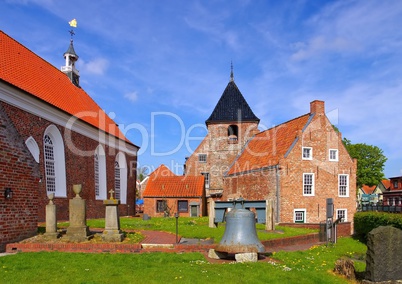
(364, 222)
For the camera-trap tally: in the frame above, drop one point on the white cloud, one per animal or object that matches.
(97, 66)
(133, 96)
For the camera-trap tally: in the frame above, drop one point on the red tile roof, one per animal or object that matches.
(386, 183)
(368, 189)
(164, 183)
(27, 71)
(268, 147)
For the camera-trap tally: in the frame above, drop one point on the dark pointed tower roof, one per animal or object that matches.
(70, 51)
(232, 107)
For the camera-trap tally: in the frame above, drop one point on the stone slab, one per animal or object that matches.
(246, 257)
(384, 257)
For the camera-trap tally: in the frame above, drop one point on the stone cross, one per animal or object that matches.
(111, 193)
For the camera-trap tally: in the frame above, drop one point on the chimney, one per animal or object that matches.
(317, 107)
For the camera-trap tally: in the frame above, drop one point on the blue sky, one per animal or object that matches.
(159, 67)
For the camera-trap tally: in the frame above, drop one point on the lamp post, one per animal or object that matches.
(176, 215)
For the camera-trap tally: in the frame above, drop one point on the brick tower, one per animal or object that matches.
(231, 124)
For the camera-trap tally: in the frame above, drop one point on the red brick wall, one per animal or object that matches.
(343, 229)
(150, 206)
(18, 171)
(79, 168)
(321, 136)
(220, 151)
(259, 185)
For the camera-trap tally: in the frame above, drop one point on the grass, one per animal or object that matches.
(311, 266)
(192, 227)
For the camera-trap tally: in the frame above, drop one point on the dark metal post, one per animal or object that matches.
(177, 227)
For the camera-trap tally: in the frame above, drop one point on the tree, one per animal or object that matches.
(142, 173)
(370, 162)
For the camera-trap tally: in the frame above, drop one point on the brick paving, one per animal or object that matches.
(157, 237)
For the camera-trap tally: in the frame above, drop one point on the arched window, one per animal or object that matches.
(33, 148)
(233, 132)
(55, 169)
(100, 173)
(120, 178)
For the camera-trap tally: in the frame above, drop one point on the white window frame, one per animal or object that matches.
(207, 179)
(347, 185)
(100, 176)
(312, 184)
(202, 158)
(121, 177)
(33, 148)
(295, 211)
(59, 160)
(345, 214)
(336, 155)
(310, 157)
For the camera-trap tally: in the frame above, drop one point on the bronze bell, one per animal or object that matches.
(240, 233)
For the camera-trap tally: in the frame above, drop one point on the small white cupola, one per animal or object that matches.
(69, 69)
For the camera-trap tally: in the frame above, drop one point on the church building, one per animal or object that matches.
(54, 135)
(298, 164)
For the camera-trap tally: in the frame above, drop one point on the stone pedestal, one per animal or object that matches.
(78, 230)
(51, 221)
(112, 231)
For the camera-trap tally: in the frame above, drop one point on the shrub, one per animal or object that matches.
(367, 221)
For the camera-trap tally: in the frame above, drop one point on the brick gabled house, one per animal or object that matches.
(166, 194)
(393, 196)
(69, 137)
(298, 164)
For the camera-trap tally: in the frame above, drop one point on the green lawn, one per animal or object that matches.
(192, 227)
(311, 266)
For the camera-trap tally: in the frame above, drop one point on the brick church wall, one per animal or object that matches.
(79, 168)
(20, 172)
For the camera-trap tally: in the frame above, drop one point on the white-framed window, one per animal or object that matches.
(202, 158)
(333, 155)
(299, 215)
(207, 181)
(307, 153)
(100, 173)
(342, 213)
(117, 180)
(343, 185)
(55, 163)
(395, 184)
(120, 178)
(308, 184)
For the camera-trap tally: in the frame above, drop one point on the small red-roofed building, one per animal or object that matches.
(393, 196)
(60, 137)
(166, 194)
(298, 164)
(372, 195)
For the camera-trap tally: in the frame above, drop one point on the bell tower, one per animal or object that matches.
(69, 68)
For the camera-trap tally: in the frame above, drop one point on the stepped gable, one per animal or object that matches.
(164, 183)
(232, 107)
(25, 70)
(266, 148)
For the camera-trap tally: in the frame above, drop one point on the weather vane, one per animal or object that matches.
(73, 24)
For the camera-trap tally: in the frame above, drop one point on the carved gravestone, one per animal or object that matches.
(78, 230)
(384, 257)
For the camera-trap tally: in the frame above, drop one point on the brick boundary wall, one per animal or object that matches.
(343, 229)
(138, 248)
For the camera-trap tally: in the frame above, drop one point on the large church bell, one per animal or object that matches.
(240, 233)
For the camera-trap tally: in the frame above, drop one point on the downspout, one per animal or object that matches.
(278, 198)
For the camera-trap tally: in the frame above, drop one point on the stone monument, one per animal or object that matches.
(112, 231)
(51, 221)
(384, 257)
(78, 230)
